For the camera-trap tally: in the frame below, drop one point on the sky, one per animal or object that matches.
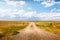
(30, 10)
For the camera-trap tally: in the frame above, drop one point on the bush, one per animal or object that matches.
(15, 32)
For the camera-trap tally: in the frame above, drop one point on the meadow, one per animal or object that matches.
(53, 27)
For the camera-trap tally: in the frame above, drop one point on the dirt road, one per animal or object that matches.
(31, 32)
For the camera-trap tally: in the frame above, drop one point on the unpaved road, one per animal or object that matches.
(31, 32)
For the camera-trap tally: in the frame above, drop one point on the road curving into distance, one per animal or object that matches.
(32, 32)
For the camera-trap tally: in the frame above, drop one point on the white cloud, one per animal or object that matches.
(15, 3)
(37, 0)
(21, 3)
(48, 16)
(28, 14)
(12, 13)
(3, 12)
(47, 3)
(55, 10)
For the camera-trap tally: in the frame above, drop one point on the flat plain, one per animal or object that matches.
(11, 28)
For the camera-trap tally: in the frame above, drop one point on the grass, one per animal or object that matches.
(8, 29)
(7, 32)
(53, 27)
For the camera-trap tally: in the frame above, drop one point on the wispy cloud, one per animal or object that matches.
(12, 13)
(55, 10)
(24, 14)
(48, 16)
(15, 3)
(48, 3)
(10, 9)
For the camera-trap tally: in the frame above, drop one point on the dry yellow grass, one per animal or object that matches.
(53, 27)
(6, 24)
(9, 28)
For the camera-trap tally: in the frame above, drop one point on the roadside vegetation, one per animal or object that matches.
(10, 29)
(53, 27)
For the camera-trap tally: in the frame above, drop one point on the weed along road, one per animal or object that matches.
(31, 32)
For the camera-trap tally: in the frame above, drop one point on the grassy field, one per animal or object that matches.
(10, 28)
(53, 27)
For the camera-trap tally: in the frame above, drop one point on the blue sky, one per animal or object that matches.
(39, 10)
